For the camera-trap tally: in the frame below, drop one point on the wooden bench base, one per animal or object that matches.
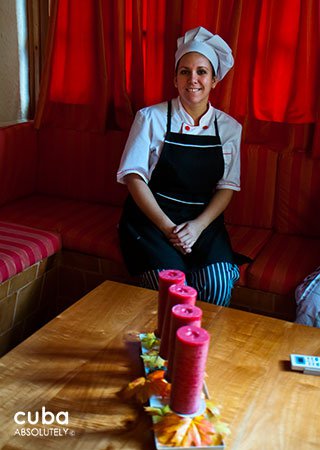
(79, 273)
(36, 295)
(265, 303)
(27, 301)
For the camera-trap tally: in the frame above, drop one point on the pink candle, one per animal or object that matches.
(181, 315)
(166, 279)
(191, 351)
(177, 294)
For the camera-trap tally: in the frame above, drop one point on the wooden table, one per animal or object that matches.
(78, 362)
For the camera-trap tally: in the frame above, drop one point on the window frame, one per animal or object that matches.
(38, 12)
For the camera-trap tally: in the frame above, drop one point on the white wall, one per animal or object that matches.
(10, 107)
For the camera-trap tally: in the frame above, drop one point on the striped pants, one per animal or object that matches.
(213, 283)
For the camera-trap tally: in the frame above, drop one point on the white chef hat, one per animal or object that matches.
(210, 45)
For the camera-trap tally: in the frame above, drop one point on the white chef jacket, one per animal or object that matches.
(146, 140)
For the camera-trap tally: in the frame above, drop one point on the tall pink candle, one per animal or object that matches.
(191, 351)
(181, 315)
(177, 293)
(166, 279)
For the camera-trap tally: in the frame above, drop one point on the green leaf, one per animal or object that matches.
(153, 361)
(150, 340)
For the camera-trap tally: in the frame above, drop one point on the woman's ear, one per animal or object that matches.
(214, 82)
(175, 81)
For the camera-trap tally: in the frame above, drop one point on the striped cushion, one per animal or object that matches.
(93, 230)
(298, 209)
(254, 204)
(283, 263)
(85, 227)
(249, 242)
(21, 247)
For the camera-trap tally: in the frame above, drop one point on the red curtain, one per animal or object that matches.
(286, 74)
(108, 58)
(316, 141)
(74, 86)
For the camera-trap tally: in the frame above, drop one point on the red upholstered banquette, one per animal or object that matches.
(63, 181)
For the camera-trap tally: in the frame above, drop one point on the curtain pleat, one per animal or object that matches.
(135, 72)
(74, 91)
(155, 52)
(316, 141)
(45, 78)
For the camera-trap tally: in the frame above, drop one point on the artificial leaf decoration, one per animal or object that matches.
(137, 388)
(212, 410)
(151, 352)
(150, 340)
(158, 385)
(177, 431)
(222, 429)
(158, 410)
(153, 361)
(143, 388)
(157, 413)
(212, 413)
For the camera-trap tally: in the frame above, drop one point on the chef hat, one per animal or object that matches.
(210, 45)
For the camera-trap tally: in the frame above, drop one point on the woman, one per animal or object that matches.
(181, 165)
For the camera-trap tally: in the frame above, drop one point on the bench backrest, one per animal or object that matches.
(279, 191)
(18, 161)
(254, 205)
(298, 195)
(81, 165)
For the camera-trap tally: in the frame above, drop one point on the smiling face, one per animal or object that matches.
(194, 80)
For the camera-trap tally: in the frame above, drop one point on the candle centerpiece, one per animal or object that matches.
(183, 415)
(191, 351)
(177, 294)
(181, 315)
(166, 279)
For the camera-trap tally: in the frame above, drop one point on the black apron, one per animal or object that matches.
(183, 183)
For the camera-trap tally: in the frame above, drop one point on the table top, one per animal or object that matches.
(78, 362)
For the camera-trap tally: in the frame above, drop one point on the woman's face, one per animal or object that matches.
(194, 80)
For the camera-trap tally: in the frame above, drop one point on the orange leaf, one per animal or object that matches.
(175, 431)
(142, 388)
(157, 384)
(156, 375)
(138, 389)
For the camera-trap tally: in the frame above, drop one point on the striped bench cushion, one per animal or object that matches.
(282, 263)
(247, 241)
(22, 246)
(84, 227)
